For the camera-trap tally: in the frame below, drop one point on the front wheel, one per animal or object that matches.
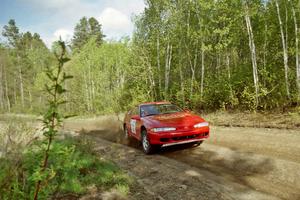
(147, 147)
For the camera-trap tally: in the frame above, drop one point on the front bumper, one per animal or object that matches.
(178, 137)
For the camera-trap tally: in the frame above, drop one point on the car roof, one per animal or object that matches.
(155, 103)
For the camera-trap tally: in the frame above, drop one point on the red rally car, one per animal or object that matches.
(160, 124)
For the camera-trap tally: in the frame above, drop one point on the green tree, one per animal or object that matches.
(11, 32)
(85, 30)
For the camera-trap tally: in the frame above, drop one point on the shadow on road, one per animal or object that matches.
(230, 164)
(236, 168)
(196, 156)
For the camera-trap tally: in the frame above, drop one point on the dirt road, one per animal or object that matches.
(235, 163)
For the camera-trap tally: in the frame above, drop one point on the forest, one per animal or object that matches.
(201, 55)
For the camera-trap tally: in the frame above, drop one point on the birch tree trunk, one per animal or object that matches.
(21, 82)
(253, 53)
(202, 70)
(285, 53)
(202, 55)
(147, 63)
(15, 88)
(228, 67)
(193, 68)
(158, 65)
(229, 72)
(86, 90)
(181, 84)
(1, 88)
(297, 50)
(167, 68)
(30, 98)
(6, 93)
(90, 86)
(265, 51)
(151, 79)
(21, 86)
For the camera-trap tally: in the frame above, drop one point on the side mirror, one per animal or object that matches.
(136, 117)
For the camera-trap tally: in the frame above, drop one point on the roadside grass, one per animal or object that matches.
(275, 119)
(74, 169)
(18, 118)
(287, 120)
(284, 120)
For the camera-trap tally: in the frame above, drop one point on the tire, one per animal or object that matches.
(147, 147)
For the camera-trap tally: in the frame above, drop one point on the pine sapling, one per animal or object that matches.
(52, 119)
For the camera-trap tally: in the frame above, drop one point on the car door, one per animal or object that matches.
(135, 122)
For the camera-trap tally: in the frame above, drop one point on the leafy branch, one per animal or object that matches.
(52, 118)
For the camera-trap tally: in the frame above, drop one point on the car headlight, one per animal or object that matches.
(202, 124)
(163, 129)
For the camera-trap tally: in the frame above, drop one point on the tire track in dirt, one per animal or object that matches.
(169, 179)
(231, 164)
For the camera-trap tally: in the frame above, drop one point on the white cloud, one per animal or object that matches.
(64, 34)
(128, 7)
(59, 17)
(114, 23)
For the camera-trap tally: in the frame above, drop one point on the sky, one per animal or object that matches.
(57, 18)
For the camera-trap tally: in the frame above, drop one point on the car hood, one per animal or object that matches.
(172, 120)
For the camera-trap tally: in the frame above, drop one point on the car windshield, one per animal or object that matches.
(156, 109)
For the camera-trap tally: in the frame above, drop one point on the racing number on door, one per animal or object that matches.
(133, 125)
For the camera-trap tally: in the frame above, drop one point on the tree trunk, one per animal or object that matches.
(158, 66)
(202, 70)
(21, 86)
(90, 86)
(151, 79)
(193, 68)
(181, 75)
(253, 53)
(21, 82)
(30, 99)
(86, 90)
(285, 53)
(1, 88)
(15, 89)
(297, 50)
(167, 68)
(6, 93)
(265, 52)
(147, 63)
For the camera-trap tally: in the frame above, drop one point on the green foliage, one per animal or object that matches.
(85, 30)
(213, 37)
(101, 74)
(193, 53)
(22, 60)
(52, 118)
(73, 167)
(11, 32)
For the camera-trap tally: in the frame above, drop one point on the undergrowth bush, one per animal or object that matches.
(72, 169)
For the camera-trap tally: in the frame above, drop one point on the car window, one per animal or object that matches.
(156, 109)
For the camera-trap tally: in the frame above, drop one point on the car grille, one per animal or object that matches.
(184, 137)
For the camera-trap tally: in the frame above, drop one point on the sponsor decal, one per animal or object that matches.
(133, 126)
